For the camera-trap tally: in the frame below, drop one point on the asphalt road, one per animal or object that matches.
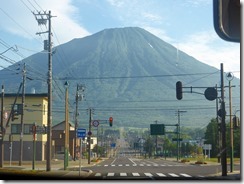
(133, 168)
(125, 165)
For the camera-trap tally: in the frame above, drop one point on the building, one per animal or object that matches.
(58, 136)
(34, 112)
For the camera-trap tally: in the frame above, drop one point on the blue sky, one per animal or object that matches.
(186, 24)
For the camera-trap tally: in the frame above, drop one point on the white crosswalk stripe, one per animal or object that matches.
(185, 175)
(161, 174)
(148, 174)
(135, 174)
(143, 174)
(123, 174)
(173, 175)
(142, 165)
(110, 174)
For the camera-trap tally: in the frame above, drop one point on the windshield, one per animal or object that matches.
(118, 89)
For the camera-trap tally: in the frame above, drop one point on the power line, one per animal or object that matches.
(132, 77)
(18, 24)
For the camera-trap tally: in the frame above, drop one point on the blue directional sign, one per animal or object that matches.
(81, 133)
(113, 145)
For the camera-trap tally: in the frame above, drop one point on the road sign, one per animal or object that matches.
(113, 145)
(95, 123)
(81, 133)
(207, 146)
(175, 139)
(211, 94)
(157, 129)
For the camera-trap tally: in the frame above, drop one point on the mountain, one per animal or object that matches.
(128, 73)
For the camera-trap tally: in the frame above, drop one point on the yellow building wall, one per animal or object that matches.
(35, 110)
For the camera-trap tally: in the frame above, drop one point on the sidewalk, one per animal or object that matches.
(57, 169)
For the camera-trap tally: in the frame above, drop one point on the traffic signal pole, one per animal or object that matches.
(223, 126)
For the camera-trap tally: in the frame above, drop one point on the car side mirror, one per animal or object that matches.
(227, 19)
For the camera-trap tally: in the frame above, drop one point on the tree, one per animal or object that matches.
(211, 136)
(149, 146)
(236, 140)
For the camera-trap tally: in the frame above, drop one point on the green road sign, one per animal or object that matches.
(157, 129)
(175, 139)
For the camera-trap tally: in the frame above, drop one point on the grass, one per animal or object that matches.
(215, 160)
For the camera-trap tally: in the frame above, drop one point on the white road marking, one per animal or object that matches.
(105, 165)
(113, 165)
(186, 175)
(110, 174)
(127, 164)
(148, 174)
(120, 165)
(173, 175)
(135, 174)
(123, 174)
(161, 174)
(98, 174)
(132, 161)
(113, 161)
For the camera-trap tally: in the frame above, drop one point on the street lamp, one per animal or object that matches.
(66, 137)
(229, 77)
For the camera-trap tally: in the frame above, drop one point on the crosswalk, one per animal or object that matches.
(140, 165)
(136, 174)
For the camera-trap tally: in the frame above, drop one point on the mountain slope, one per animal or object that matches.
(129, 74)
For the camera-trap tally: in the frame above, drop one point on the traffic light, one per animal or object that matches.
(111, 121)
(179, 90)
(14, 115)
(236, 122)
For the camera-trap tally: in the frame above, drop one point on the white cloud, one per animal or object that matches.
(116, 3)
(18, 19)
(208, 48)
(151, 16)
(158, 32)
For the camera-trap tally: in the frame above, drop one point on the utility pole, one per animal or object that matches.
(89, 136)
(230, 77)
(219, 130)
(178, 134)
(223, 126)
(2, 131)
(42, 19)
(156, 140)
(66, 139)
(78, 97)
(22, 117)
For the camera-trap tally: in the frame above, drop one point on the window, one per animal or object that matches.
(15, 129)
(28, 128)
